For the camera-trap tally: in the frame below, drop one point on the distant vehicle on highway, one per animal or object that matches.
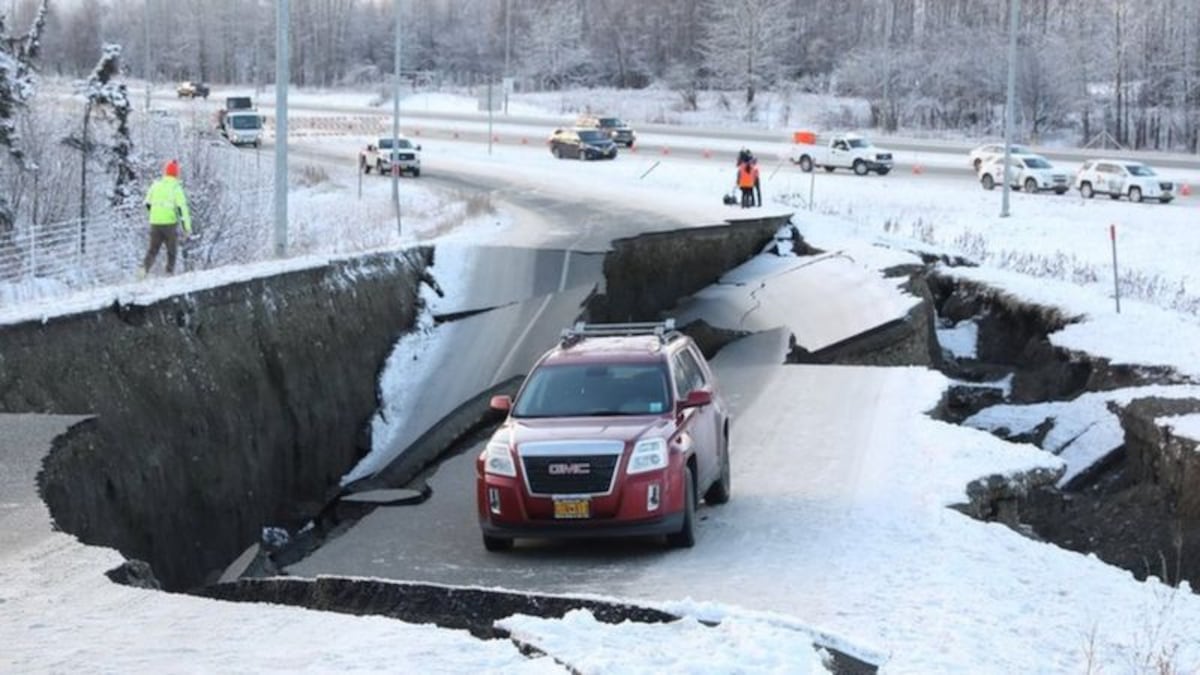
(617, 431)
(385, 152)
(190, 89)
(843, 151)
(620, 132)
(1122, 178)
(582, 143)
(1031, 173)
(987, 152)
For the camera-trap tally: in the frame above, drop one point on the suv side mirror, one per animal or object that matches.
(502, 403)
(695, 399)
(418, 148)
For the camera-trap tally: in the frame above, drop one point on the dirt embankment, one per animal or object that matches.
(214, 412)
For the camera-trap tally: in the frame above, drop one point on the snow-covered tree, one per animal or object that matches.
(17, 84)
(102, 93)
(745, 41)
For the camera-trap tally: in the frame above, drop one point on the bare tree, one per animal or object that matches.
(744, 40)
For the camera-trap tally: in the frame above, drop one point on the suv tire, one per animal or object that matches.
(860, 168)
(806, 163)
(718, 492)
(1030, 185)
(1085, 190)
(1135, 194)
(686, 536)
(988, 182)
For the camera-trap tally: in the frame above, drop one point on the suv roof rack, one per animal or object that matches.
(663, 330)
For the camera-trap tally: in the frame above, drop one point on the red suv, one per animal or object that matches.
(614, 433)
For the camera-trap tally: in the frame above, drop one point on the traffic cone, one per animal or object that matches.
(707, 153)
(918, 169)
(495, 139)
(666, 150)
(524, 141)
(1184, 189)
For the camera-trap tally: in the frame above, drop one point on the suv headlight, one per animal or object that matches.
(498, 460)
(648, 455)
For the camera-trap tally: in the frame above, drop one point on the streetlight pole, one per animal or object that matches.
(281, 127)
(396, 124)
(507, 41)
(1014, 12)
(146, 49)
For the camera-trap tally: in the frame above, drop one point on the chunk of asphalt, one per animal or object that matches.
(386, 497)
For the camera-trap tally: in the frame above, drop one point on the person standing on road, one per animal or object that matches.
(167, 207)
(757, 182)
(745, 182)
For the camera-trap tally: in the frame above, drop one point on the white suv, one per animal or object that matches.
(1031, 173)
(986, 153)
(1118, 177)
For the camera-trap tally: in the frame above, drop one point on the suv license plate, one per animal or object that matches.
(572, 508)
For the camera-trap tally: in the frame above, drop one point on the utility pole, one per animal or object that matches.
(1014, 12)
(281, 126)
(396, 125)
(146, 49)
(507, 41)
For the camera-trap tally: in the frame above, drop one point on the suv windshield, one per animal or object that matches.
(577, 390)
(611, 122)
(592, 136)
(244, 121)
(1139, 170)
(858, 142)
(1036, 163)
(386, 143)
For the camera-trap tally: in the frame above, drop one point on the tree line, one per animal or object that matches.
(1108, 72)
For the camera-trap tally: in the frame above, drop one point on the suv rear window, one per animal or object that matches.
(578, 390)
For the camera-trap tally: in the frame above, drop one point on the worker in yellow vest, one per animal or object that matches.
(168, 208)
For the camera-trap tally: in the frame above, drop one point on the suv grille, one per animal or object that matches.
(570, 474)
(1165, 186)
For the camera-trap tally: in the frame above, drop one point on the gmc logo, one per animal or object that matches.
(569, 469)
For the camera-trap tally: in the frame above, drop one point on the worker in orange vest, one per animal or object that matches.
(747, 176)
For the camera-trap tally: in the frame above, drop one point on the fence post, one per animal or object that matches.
(1112, 235)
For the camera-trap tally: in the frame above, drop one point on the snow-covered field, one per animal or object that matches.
(923, 587)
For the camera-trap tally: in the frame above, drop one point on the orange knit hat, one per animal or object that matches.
(172, 169)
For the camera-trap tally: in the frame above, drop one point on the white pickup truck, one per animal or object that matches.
(844, 151)
(403, 152)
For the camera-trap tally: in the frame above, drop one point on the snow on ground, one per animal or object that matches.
(865, 547)
(732, 647)
(1187, 426)
(960, 340)
(1083, 430)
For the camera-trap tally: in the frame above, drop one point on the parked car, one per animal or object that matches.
(582, 143)
(381, 154)
(617, 431)
(1122, 178)
(987, 152)
(1031, 173)
(843, 151)
(190, 89)
(619, 131)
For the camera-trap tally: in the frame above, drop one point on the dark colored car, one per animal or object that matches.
(580, 143)
(617, 431)
(618, 130)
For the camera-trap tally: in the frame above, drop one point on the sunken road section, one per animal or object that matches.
(225, 410)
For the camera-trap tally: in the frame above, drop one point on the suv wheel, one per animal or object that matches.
(1135, 194)
(379, 166)
(1085, 190)
(988, 182)
(557, 152)
(860, 167)
(686, 536)
(1030, 185)
(718, 492)
(806, 163)
(497, 543)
